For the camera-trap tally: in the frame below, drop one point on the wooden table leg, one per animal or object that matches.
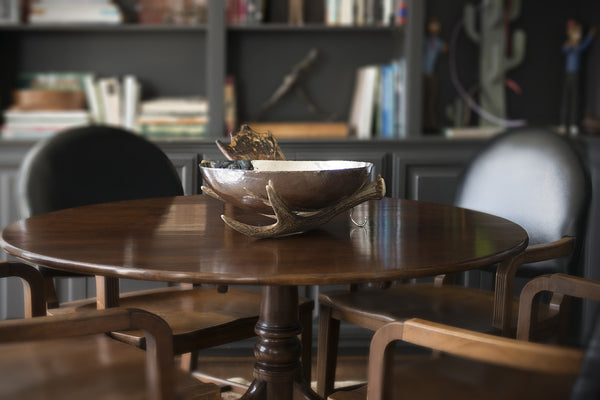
(277, 372)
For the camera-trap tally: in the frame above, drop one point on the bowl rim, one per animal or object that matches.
(342, 165)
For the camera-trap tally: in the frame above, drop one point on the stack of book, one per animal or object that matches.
(19, 124)
(174, 117)
(74, 12)
(45, 103)
(379, 104)
(365, 12)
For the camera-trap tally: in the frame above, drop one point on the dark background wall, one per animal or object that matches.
(541, 74)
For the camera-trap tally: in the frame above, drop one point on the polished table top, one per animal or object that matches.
(183, 239)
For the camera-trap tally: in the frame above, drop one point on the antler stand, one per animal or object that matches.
(289, 222)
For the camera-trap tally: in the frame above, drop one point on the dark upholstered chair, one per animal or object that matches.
(473, 365)
(530, 176)
(70, 357)
(98, 164)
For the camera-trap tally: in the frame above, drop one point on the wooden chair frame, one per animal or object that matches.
(468, 344)
(516, 353)
(330, 317)
(159, 341)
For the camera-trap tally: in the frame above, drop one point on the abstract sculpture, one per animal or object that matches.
(497, 56)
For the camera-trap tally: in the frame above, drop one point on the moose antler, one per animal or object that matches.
(289, 222)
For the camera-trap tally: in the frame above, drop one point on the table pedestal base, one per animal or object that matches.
(277, 372)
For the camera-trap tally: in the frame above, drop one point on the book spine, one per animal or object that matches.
(367, 106)
(332, 12)
(69, 13)
(359, 13)
(400, 85)
(346, 12)
(92, 99)
(110, 93)
(370, 12)
(131, 99)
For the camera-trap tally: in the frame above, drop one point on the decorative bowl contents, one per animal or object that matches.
(303, 185)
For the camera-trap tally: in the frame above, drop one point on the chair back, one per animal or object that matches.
(535, 178)
(93, 164)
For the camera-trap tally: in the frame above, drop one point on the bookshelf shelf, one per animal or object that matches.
(281, 27)
(122, 28)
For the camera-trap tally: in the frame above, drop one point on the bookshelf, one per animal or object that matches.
(191, 60)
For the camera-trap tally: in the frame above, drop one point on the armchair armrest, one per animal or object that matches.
(549, 251)
(558, 284)
(468, 344)
(159, 341)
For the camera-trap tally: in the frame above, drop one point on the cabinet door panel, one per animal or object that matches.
(427, 175)
(186, 165)
(435, 183)
(11, 289)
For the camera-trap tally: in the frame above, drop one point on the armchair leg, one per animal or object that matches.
(329, 331)
(306, 339)
(189, 361)
(51, 297)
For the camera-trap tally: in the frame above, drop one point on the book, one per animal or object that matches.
(174, 117)
(131, 101)
(92, 97)
(59, 12)
(387, 110)
(175, 105)
(12, 116)
(400, 96)
(378, 105)
(173, 131)
(332, 12)
(10, 12)
(110, 100)
(364, 101)
(346, 12)
(236, 12)
(303, 130)
(28, 124)
(52, 80)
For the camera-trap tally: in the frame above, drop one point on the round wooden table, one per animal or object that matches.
(183, 239)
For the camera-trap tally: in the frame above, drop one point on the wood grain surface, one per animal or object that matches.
(184, 239)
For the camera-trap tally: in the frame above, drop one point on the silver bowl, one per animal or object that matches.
(303, 185)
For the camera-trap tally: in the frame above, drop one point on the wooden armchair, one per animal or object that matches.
(474, 365)
(70, 357)
(98, 164)
(532, 177)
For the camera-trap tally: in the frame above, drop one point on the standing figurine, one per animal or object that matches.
(433, 46)
(573, 48)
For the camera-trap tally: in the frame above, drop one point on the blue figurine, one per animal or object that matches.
(433, 46)
(573, 48)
